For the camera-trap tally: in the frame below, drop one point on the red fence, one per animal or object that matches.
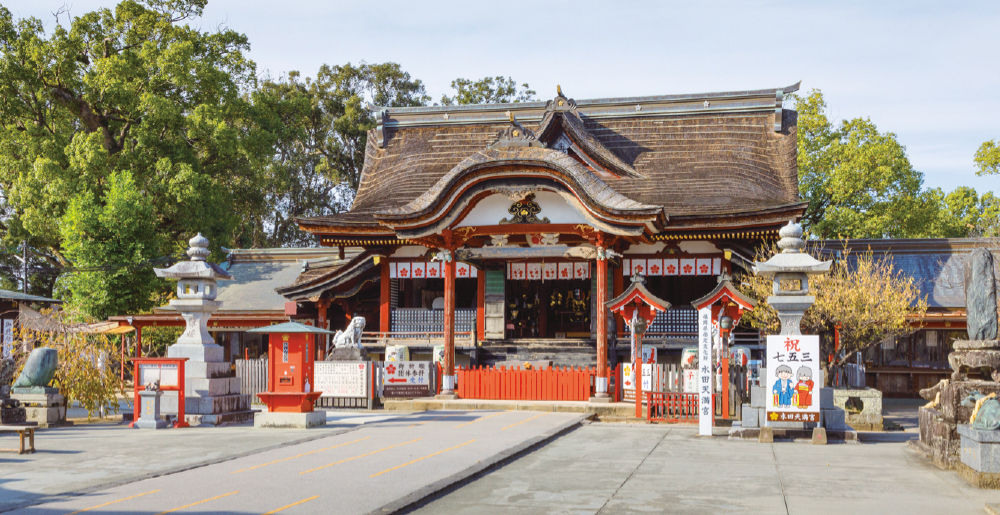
(549, 384)
(675, 406)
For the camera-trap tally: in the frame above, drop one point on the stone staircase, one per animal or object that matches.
(562, 353)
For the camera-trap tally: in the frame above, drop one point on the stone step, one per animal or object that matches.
(221, 419)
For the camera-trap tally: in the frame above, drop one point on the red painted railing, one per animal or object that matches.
(549, 384)
(674, 406)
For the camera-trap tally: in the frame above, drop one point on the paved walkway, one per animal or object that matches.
(379, 466)
(87, 456)
(662, 469)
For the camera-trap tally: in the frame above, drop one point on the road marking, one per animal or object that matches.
(424, 458)
(199, 502)
(300, 455)
(112, 502)
(523, 421)
(439, 418)
(482, 418)
(356, 457)
(290, 505)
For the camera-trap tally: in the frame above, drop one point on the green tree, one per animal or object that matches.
(111, 242)
(988, 158)
(961, 213)
(488, 90)
(130, 89)
(858, 181)
(321, 130)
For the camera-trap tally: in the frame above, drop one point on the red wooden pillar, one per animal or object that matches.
(385, 297)
(619, 288)
(601, 381)
(322, 306)
(481, 305)
(448, 381)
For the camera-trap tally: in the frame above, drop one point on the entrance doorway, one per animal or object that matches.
(548, 309)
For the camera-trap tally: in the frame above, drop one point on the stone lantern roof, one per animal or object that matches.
(197, 267)
(791, 260)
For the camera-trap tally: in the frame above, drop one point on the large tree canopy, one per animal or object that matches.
(488, 90)
(988, 158)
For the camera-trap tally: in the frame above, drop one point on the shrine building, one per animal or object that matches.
(501, 230)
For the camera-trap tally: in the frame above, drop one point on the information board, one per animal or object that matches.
(165, 373)
(706, 413)
(407, 379)
(793, 378)
(341, 378)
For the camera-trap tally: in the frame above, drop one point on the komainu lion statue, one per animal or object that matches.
(985, 411)
(349, 338)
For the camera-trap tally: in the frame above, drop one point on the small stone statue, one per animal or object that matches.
(985, 411)
(349, 338)
(933, 393)
(153, 386)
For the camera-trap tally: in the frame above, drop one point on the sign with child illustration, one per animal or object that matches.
(793, 378)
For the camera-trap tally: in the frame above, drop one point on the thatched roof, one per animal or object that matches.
(708, 155)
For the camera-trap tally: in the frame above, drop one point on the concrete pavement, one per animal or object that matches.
(373, 467)
(85, 457)
(658, 469)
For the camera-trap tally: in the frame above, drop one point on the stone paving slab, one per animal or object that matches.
(86, 457)
(601, 468)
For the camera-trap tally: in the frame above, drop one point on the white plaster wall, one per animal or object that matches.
(493, 208)
(699, 247)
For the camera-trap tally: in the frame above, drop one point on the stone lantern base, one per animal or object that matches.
(211, 390)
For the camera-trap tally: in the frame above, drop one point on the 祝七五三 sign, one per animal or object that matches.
(407, 379)
(793, 378)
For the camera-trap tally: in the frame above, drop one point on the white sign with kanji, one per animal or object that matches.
(407, 379)
(341, 378)
(706, 414)
(793, 376)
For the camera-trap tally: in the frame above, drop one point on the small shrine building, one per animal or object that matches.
(492, 226)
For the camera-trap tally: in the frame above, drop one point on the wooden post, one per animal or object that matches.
(601, 382)
(481, 305)
(322, 305)
(448, 387)
(637, 370)
(385, 295)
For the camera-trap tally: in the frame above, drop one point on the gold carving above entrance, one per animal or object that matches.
(525, 211)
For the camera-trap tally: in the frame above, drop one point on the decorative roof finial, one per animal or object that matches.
(791, 241)
(559, 90)
(199, 248)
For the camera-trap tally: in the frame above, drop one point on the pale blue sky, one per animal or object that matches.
(927, 71)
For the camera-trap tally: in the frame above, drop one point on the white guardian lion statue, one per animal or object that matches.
(349, 338)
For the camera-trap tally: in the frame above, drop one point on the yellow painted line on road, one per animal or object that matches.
(112, 502)
(199, 502)
(293, 504)
(523, 421)
(356, 457)
(439, 418)
(482, 418)
(424, 458)
(300, 455)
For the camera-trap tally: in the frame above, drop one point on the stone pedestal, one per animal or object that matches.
(150, 416)
(211, 390)
(980, 457)
(347, 354)
(42, 405)
(939, 439)
(289, 420)
(862, 407)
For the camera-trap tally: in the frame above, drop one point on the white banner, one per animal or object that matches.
(793, 378)
(341, 378)
(705, 412)
(8, 336)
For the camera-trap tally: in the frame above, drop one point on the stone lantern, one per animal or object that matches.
(791, 267)
(212, 392)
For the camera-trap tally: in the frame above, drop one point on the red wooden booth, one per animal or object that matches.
(169, 372)
(290, 376)
(638, 307)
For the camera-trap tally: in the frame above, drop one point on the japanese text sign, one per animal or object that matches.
(793, 378)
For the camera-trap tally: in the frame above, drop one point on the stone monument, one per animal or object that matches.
(977, 356)
(150, 416)
(43, 404)
(211, 390)
(11, 411)
(792, 268)
(346, 345)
